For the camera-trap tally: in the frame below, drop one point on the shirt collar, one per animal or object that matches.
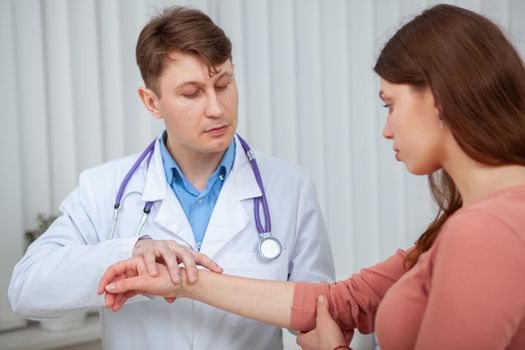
(171, 168)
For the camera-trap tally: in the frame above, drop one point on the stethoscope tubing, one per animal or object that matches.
(264, 232)
(258, 200)
(148, 152)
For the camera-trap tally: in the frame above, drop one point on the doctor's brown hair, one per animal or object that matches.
(184, 30)
(478, 82)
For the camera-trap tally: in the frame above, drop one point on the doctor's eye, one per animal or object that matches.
(191, 94)
(222, 87)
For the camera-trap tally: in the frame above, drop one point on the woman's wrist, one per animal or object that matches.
(187, 288)
(176, 290)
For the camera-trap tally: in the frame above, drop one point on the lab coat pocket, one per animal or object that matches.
(252, 266)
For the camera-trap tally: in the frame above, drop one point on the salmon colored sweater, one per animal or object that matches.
(466, 292)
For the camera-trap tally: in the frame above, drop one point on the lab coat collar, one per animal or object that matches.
(170, 213)
(241, 174)
(156, 185)
(229, 216)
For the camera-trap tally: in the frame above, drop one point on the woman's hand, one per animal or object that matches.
(327, 335)
(130, 277)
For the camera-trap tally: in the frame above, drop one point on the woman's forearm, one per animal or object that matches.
(260, 300)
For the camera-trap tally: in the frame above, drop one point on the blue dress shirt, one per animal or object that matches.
(197, 206)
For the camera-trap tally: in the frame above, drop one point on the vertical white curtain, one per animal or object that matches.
(307, 94)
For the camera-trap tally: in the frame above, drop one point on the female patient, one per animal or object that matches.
(454, 88)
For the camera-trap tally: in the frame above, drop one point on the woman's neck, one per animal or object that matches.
(475, 181)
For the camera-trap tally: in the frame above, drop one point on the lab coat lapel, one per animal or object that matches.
(170, 214)
(229, 216)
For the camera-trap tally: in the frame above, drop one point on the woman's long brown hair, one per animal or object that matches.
(478, 82)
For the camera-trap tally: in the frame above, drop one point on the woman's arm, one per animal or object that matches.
(352, 302)
(264, 301)
(261, 300)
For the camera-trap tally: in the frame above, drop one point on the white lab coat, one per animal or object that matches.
(61, 270)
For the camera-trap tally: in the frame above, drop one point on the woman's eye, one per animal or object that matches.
(389, 106)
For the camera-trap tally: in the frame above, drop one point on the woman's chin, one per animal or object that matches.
(419, 169)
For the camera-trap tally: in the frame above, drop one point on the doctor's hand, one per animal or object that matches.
(171, 254)
(327, 335)
(128, 278)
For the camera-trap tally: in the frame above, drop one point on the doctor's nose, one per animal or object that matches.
(214, 108)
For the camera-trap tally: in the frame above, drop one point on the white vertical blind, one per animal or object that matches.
(307, 94)
(11, 208)
(60, 102)
(336, 115)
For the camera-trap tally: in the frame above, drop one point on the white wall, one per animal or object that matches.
(307, 90)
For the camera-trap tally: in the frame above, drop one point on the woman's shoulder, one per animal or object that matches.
(495, 221)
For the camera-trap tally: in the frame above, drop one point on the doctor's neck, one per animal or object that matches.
(196, 166)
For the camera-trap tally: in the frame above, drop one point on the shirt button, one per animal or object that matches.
(221, 177)
(200, 201)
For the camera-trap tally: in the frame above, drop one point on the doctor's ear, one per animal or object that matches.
(150, 100)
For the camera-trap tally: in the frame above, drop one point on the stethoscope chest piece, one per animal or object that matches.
(269, 248)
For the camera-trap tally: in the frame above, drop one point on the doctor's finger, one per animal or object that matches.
(170, 260)
(208, 263)
(184, 254)
(141, 268)
(151, 264)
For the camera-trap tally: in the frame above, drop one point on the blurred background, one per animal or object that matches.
(308, 94)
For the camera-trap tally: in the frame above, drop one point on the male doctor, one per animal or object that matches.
(201, 189)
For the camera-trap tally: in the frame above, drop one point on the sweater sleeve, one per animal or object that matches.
(353, 302)
(477, 286)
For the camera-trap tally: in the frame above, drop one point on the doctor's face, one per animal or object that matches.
(199, 110)
(414, 127)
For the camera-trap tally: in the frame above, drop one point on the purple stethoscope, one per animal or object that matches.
(269, 247)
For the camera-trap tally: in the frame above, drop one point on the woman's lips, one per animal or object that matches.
(396, 152)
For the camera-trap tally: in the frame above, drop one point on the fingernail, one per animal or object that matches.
(111, 287)
(320, 298)
(176, 278)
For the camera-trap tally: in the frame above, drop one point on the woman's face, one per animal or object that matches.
(413, 124)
